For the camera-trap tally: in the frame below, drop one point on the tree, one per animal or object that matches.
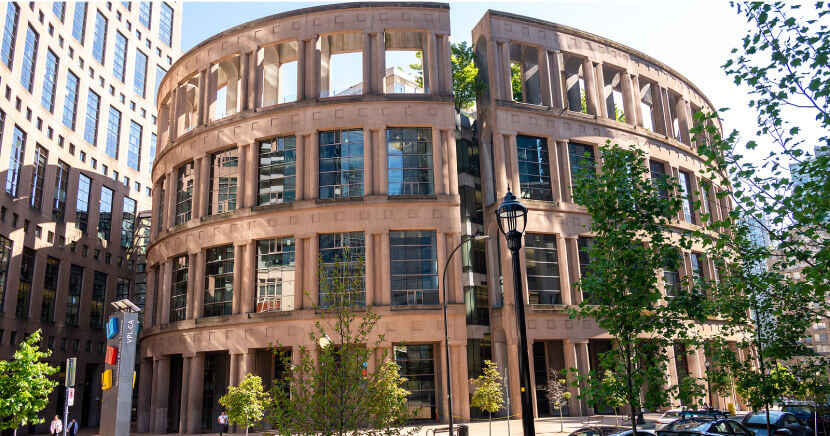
(330, 390)
(516, 81)
(557, 393)
(465, 84)
(487, 391)
(633, 240)
(245, 403)
(25, 385)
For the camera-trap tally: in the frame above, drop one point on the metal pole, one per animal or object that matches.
(514, 241)
(65, 410)
(507, 386)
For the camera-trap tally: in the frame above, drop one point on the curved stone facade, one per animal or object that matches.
(252, 185)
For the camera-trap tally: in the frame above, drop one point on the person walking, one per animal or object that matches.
(56, 427)
(72, 428)
(223, 423)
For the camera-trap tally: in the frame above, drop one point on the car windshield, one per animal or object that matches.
(761, 418)
(671, 415)
(689, 425)
(796, 410)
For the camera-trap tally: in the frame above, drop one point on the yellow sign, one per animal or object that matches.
(106, 380)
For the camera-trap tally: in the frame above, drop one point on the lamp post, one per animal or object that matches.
(708, 384)
(476, 237)
(512, 220)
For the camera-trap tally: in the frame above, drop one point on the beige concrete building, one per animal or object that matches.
(77, 140)
(252, 184)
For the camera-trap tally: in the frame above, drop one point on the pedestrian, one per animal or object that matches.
(223, 423)
(56, 427)
(72, 428)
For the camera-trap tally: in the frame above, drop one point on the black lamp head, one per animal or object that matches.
(510, 212)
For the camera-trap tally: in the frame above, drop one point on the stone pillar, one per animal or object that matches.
(452, 160)
(301, 69)
(512, 162)
(369, 146)
(246, 363)
(164, 295)
(590, 87)
(252, 182)
(310, 270)
(432, 57)
(603, 92)
(204, 186)
(499, 164)
(238, 268)
(312, 165)
(570, 352)
(185, 394)
(445, 70)
(247, 271)
(438, 158)
(665, 104)
(153, 396)
(565, 167)
(683, 120)
(385, 285)
(553, 164)
(174, 114)
(381, 161)
(368, 85)
(202, 109)
(504, 71)
(460, 386)
(163, 380)
(299, 275)
(371, 261)
(195, 388)
(191, 264)
(494, 69)
(150, 301)
(544, 76)
(313, 68)
(242, 182)
(196, 209)
(170, 201)
(145, 391)
(379, 67)
(635, 93)
(556, 79)
(584, 363)
(631, 116)
(573, 269)
(199, 284)
(300, 166)
(564, 267)
(672, 367)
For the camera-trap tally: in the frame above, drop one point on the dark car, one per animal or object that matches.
(704, 425)
(609, 430)
(782, 423)
(806, 412)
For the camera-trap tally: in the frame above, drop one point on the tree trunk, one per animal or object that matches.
(490, 422)
(561, 421)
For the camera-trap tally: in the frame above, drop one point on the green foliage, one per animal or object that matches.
(245, 403)
(330, 390)
(516, 81)
(465, 84)
(619, 114)
(557, 393)
(487, 389)
(25, 385)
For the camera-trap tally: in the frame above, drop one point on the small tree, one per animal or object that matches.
(487, 391)
(25, 385)
(245, 403)
(557, 393)
(465, 85)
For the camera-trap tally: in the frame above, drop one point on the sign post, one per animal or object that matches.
(119, 369)
(70, 390)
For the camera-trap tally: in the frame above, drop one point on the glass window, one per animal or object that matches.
(10, 33)
(134, 146)
(38, 175)
(534, 168)
(658, 177)
(580, 156)
(704, 201)
(96, 308)
(542, 268)
(277, 170)
(184, 193)
(166, 25)
(47, 100)
(178, 289)
(59, 8)
(5, 257)
(79, 22)
(82, 206)
(413, 260)
(105, 213)
(93, 105)
(70, 104)
(342, 266)
(275, 275)
(73, 302)
(696, 259)
(584, 246)
(99, 38)
(113, 133)
(119, 61)
(152, 157)
(218, 298)
(122, 288)
(128, 223)
(341, 163)
(140, 77)
(686, 196)
(410, 161)
(671, 277)
(417, 364)
(61, 185)
(224, 173)
(24, 287)
(160, 72)
(145, 13)
(477, 305)
(161, 210)
(15, 161)
(27, 71)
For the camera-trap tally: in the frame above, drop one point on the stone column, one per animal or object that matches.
(300, 166)
(504, 70)
(246, 363)
(565, 167)
(570, 352)
(553, 164)
(252, 181)
(163, 380)
(368, 85)
(369, 146)
(185, 394)
(603, 91)
(683, 120)
(590, 87)
(635, 92)
(385, 285)
(191, 266)
(196, 209)
(310, 270)
(584, 362)
(166, 292)
(556, 79)
(438, 158)
(628, 100)
(247, 282)
(170, 201)
(672, 367)
(564, 267)
(371, 261)
(313, 68)
(150, 301)
(445, 70)
(432, 57)
(460, 386)
(174, 114)
(544, 76)
(202, 109)
(154, 395)
(195, 388)
(573, 269)
(233, 373)
(154, 227)
(199, 284)
(204, 186)
(665, 104)
(312, 165)
(379, 67)
(238, 268)
(452, 160)
(512, 152)
(382, 162)
(299, 275)
(242, 182)
(145, 390)
(301, 69)
(499, 164)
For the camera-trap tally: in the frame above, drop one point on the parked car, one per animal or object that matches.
(667, 418)
(781, 423)
(704, 425)
(806, 412)
(609, 430)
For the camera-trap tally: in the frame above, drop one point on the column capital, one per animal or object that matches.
(242, 242)
(306, 132)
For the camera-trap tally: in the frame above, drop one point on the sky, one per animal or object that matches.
(694, 38)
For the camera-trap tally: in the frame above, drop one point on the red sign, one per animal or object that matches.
(70, 396)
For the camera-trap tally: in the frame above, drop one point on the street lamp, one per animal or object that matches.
(477, 237)
(708, 384)
(512, 220)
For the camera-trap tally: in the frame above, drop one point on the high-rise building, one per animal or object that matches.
(77, 142)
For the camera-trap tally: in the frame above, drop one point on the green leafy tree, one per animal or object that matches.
(246, 403)
(633, 240)
(330, 390)
(487, 391)
(465, 84)
(25, 385)
(516, 81)
(557, 393)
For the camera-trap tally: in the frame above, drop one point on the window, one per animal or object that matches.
(134, 146)
(160, 72)
(417, 364)
(161, 210)
(277, 170)
(152, 157)
(224, 171)
(82, 205)
(59, 8)
(671, 276)
(584, 246)
(218, 298)
(184, 193)
(50, 288)
(534, 168)
(704, 201)
(686, 196)
(128, 223)
(166, 25)
(105, 213)
(119, 62)
(27, 72)
(145, 13)
(5, 257)
(96, 307)
(15, 161)
(10, 33)
(477, 305)
(113, 133)
(341, 163)
(99, 38)
(580, 156)
(414, 267)
(542, 269)
(47, 100)
(275, 275)
(70, 105)
(178, 289)
(410, 161)
(341, 255)
(658, 177)
(93, 105)
(24, 287)
(140, 77)
(122, 288)
(696, 259)
(38, 174)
